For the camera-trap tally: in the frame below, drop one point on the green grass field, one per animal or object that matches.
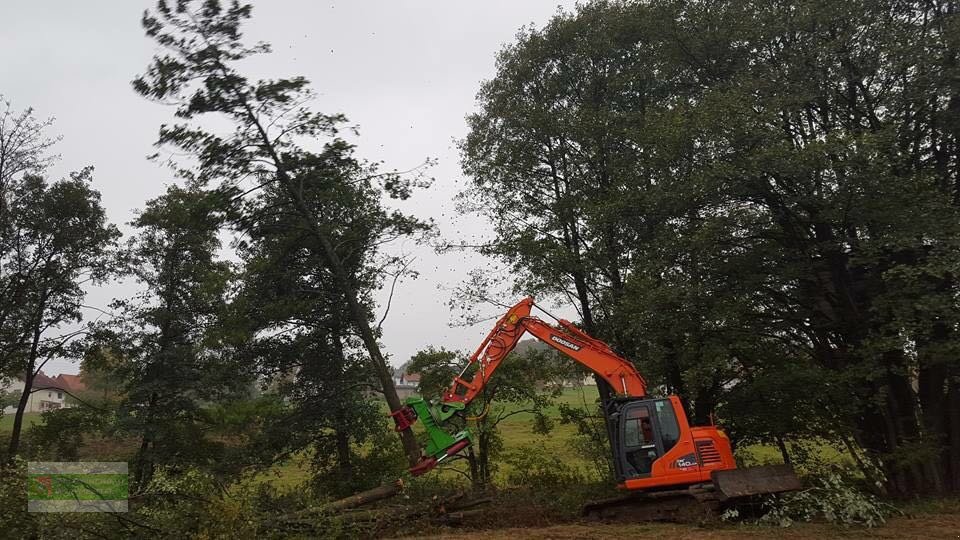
(518, 433)
(6, 421)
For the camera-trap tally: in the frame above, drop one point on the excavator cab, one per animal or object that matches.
(655, 447)
(646, 429)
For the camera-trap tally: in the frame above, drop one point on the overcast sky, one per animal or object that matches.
(405, 71)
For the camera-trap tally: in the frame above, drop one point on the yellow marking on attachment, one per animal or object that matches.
(512, 319)
(480, 416)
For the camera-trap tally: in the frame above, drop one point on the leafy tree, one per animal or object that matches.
(815, 175)
(566, 150)
(176, 357)
(23, 151)
(268, 144)
(63, 241)
(782, 191)
(300, 331)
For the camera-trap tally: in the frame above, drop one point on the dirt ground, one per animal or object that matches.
(925, 526)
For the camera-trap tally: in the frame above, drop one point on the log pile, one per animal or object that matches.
(353, 511)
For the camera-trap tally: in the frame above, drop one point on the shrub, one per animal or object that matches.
(60, 434)
(833, 498)
(590, 441)
(17, 523)
(531, 468)
(380, 460)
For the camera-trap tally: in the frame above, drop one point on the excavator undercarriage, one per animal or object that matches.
(743, 489)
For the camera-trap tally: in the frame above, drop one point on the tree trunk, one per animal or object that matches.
(953, 421)
(474, 467)
(783, 451)
(483, 458)
(28, 376)
(14, 446)
(344, 466)
(364, 497)
(347, 288)
(357, 313)
(144, 470)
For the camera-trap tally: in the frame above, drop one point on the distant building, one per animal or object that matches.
(48, 393)
(407, 384)
(71, 383)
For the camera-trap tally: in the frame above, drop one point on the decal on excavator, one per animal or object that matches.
(689, 460)
(564, 342)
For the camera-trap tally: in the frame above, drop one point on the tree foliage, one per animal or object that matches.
(270, 141)
(61, 241)
(758, 203)
(168, 345)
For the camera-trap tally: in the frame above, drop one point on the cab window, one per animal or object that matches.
(669, 428)
(638, 430)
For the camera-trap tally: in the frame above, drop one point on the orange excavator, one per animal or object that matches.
(658, 456)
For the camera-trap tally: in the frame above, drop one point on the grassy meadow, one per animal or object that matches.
(6, 422)
(516, 430)
(518, 433)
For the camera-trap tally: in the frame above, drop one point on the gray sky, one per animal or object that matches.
(406, 72)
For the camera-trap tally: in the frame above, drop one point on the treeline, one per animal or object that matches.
(757, 202)
(217, 367)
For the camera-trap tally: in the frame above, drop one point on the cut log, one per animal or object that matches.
(468, 504)
(457, 518)
(364, 497)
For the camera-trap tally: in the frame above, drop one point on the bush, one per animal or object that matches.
(16, 522)
(60, 434)
(833, 498)
(531, 468)
(590, 441)
(380, 460)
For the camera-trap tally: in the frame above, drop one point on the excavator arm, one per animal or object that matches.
(593, 354)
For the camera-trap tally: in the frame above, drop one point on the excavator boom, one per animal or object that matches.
(592, 353)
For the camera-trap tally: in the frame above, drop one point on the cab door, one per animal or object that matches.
(638, 448)
(646, 430)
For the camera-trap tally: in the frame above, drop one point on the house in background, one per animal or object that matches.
(49, 393)
(407, 384)
(71, 383)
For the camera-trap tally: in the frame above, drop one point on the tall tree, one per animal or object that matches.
(198, 71)
(300, 329)
(168, 345)
(789, 190)
(563, 152)
(24, 149)
(63, 241)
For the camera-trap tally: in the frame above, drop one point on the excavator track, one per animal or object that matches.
(701, 503)
(697, 504)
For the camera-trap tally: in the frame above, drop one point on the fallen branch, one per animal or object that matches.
(469, 504)
(364, 497)
(457, 518)
(341, 505)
